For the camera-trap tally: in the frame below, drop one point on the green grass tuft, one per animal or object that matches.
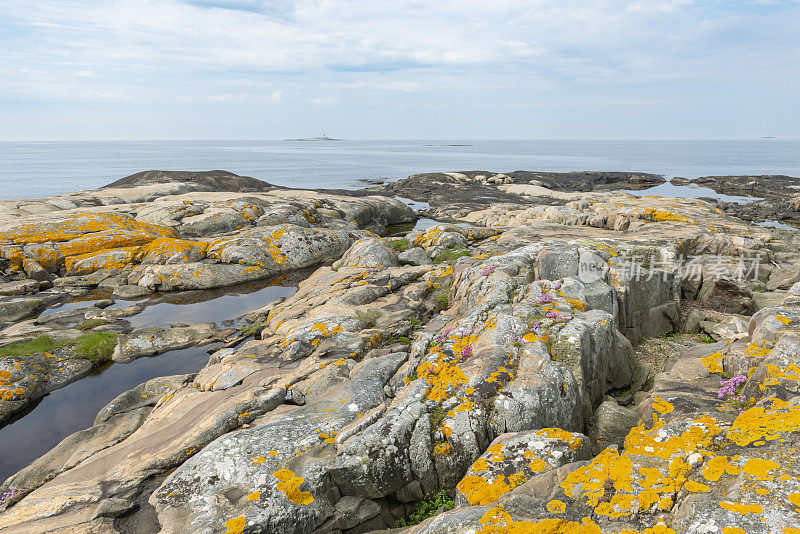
(401, 339)
(89, 324)
(40, 344)
(96, 347)
(450, 256)
(441, 299)
(400, 245)
(428, 508)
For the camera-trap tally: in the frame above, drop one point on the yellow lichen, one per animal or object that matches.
(742, 509)
(589, 482)
(556, 507)
(718, 466)
(713, 362)
(442, 378)
(236, 525)
(759, 423)
(662, 406)
(759, 468)
(289, 485)
(562, 435)
(480, 491)
(696, 487)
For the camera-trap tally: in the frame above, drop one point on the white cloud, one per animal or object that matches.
(274, 96)
(568, 37)
(256, 52)
(326, 101)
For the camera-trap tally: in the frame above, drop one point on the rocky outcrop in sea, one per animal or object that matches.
(542, 352)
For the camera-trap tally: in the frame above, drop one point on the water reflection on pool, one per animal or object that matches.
(74, 407)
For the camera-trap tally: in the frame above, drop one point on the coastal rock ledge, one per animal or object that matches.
(448, 390)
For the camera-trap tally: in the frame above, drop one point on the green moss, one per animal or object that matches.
(96, 347)
(670, 335)
(89, 324)
(397, 339)
(705, 338)
(437, 416)
(369, 318)
(563, 351)
(442, 299)
(400, 245)
(249, 330)
(450, 256)
(40, 344)
(432, 505)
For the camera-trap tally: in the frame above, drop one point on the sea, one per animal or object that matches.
(40, 169)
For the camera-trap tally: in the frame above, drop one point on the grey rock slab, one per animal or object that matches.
(155, 340)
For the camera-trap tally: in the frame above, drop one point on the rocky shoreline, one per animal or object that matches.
(554, 355)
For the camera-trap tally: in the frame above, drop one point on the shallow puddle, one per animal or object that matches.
(213, 306)
(74, 407)
(64, 411)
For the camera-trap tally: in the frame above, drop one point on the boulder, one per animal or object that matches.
(368, 253)
(26, 378)
(414, 256)
(611, 425)
(693, 320)
(726, 294)
(513, 459)
(155, 340)
(20, 287)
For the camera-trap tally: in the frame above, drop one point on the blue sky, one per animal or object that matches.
(361, 69)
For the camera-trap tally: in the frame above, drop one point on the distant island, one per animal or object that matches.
(322, 138)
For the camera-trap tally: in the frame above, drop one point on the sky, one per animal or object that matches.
(405, 69)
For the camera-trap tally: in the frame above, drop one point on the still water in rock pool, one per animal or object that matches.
(74, 407)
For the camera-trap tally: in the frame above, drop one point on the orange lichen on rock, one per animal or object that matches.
(743, 509)
(498, 521)
(79, 237)
(759, 423)
(479, 490)
(648, 442)
(161, 249)
(713, 362)
(117, 258)
(322, 328)
(776, 374)
(696, 487)
(14, 255)
(80, 224)
(235, 525)
(662, 406)
(442, 377)
(289, 485)
(574, 441)
(760, 468)
(589, 482)
(665, 215)
(718, 466)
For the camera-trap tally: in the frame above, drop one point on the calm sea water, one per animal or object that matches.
(29, 170)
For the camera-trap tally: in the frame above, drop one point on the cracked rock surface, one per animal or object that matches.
(489, 366)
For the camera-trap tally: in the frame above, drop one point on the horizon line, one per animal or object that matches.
(355, 139)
